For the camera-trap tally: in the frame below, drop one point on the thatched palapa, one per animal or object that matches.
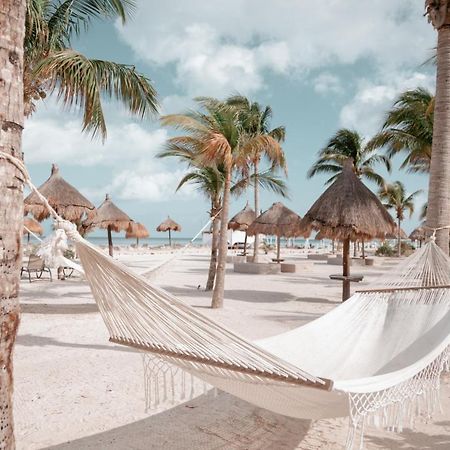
(109, 216)
(420, 234)
(138, 231)
(278, 221)
(62, 196)
(394, 235)
(241, 221)
(348, 211)
(32, 226)
(168, 225)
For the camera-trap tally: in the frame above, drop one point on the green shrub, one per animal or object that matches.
(69, 254)
(385, 250)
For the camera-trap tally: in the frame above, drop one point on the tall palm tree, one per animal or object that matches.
(216, 137)
(51, 65)
(394, 197)
(438, 212)
(12, 30)
(255, 121)
(408, 128)
(347, 144)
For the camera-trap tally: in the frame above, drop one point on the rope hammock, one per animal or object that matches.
(376, 358)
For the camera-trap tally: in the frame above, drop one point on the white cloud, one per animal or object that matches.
(372, 99)
(326, 83)
(220, 47)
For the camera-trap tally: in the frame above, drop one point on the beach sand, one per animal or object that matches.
(75, 390)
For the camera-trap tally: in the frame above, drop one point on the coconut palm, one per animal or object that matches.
(52, 66)
(210, 181)
(255, 121)
(12, 30)
(438, 212)
(395, 197)
(216, 138)
(348, 144)
(408, 128)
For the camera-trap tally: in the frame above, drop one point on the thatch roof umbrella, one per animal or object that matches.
(420, 234)
(394, 235)
(137, 231)
(241, 221)
(168, 225)
(348, 211)
(278, 220)
(109, 216)
(62, 196)
(33, 226)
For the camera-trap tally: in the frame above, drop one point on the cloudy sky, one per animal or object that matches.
(320, 65)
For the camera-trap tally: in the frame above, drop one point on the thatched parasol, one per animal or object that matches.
(348, 211)
(109, 216)
(279, 221)
(394, 235)
(137, 231)
(62, 196)
(241, 221)
(168, 225)
(33, 226)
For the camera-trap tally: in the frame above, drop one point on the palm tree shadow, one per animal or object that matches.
(224, 422)
(413, 440)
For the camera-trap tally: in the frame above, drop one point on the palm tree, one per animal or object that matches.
(51, 65)
(347, 144)
(12, 30)
(409, 128)
(394, 197)
(255, 121)
(438, 211)
(216, 138)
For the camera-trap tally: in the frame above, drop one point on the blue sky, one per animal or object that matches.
(320, 65)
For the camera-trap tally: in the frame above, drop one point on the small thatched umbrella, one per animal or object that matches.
(277, 220)
(137, 231)
(241, 221)
(168, 225)
(109, 216)
(420, 234)
(33, 226)
(348, 211)
(62, 196)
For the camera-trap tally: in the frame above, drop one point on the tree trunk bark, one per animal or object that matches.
(256, 192)
(214, 245)
(438, 212)
(399, 239)
(346, 270)
(219, 288)
(110, 242)
(12, 28)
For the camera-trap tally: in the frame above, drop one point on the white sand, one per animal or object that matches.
(75, 390)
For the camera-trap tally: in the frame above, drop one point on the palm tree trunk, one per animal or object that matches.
(256, 192)
(214, 244)
(438, 212)
(399, 239)
(110, 242)
(219, 288)
(12, 28)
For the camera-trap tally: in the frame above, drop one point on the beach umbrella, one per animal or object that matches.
(241, 221)
(108, 216)
(33, 226)
(348, 211)
(420, 234)
(62, 196)
(168, 225)
(278, 221)
(137, 231)
(394, 235)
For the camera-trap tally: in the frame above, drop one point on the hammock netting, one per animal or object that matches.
(376, 358)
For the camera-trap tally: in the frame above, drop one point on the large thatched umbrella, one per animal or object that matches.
(276, 221)
(62, 196)
(137, 231)
(394, 235)
(168, 225)
(241, 221)
(33, 226)
(348, 211)
(108, 216)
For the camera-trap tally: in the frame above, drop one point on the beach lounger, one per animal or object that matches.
(36, 266)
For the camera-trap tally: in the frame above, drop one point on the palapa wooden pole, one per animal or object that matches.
(170, 239)
(278, 247)
(346, 270)
(245, 244)
(110, 242)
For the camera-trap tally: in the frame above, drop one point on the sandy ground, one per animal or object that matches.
(75, 390)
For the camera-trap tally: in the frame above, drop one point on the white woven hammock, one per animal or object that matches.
(377, 358)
